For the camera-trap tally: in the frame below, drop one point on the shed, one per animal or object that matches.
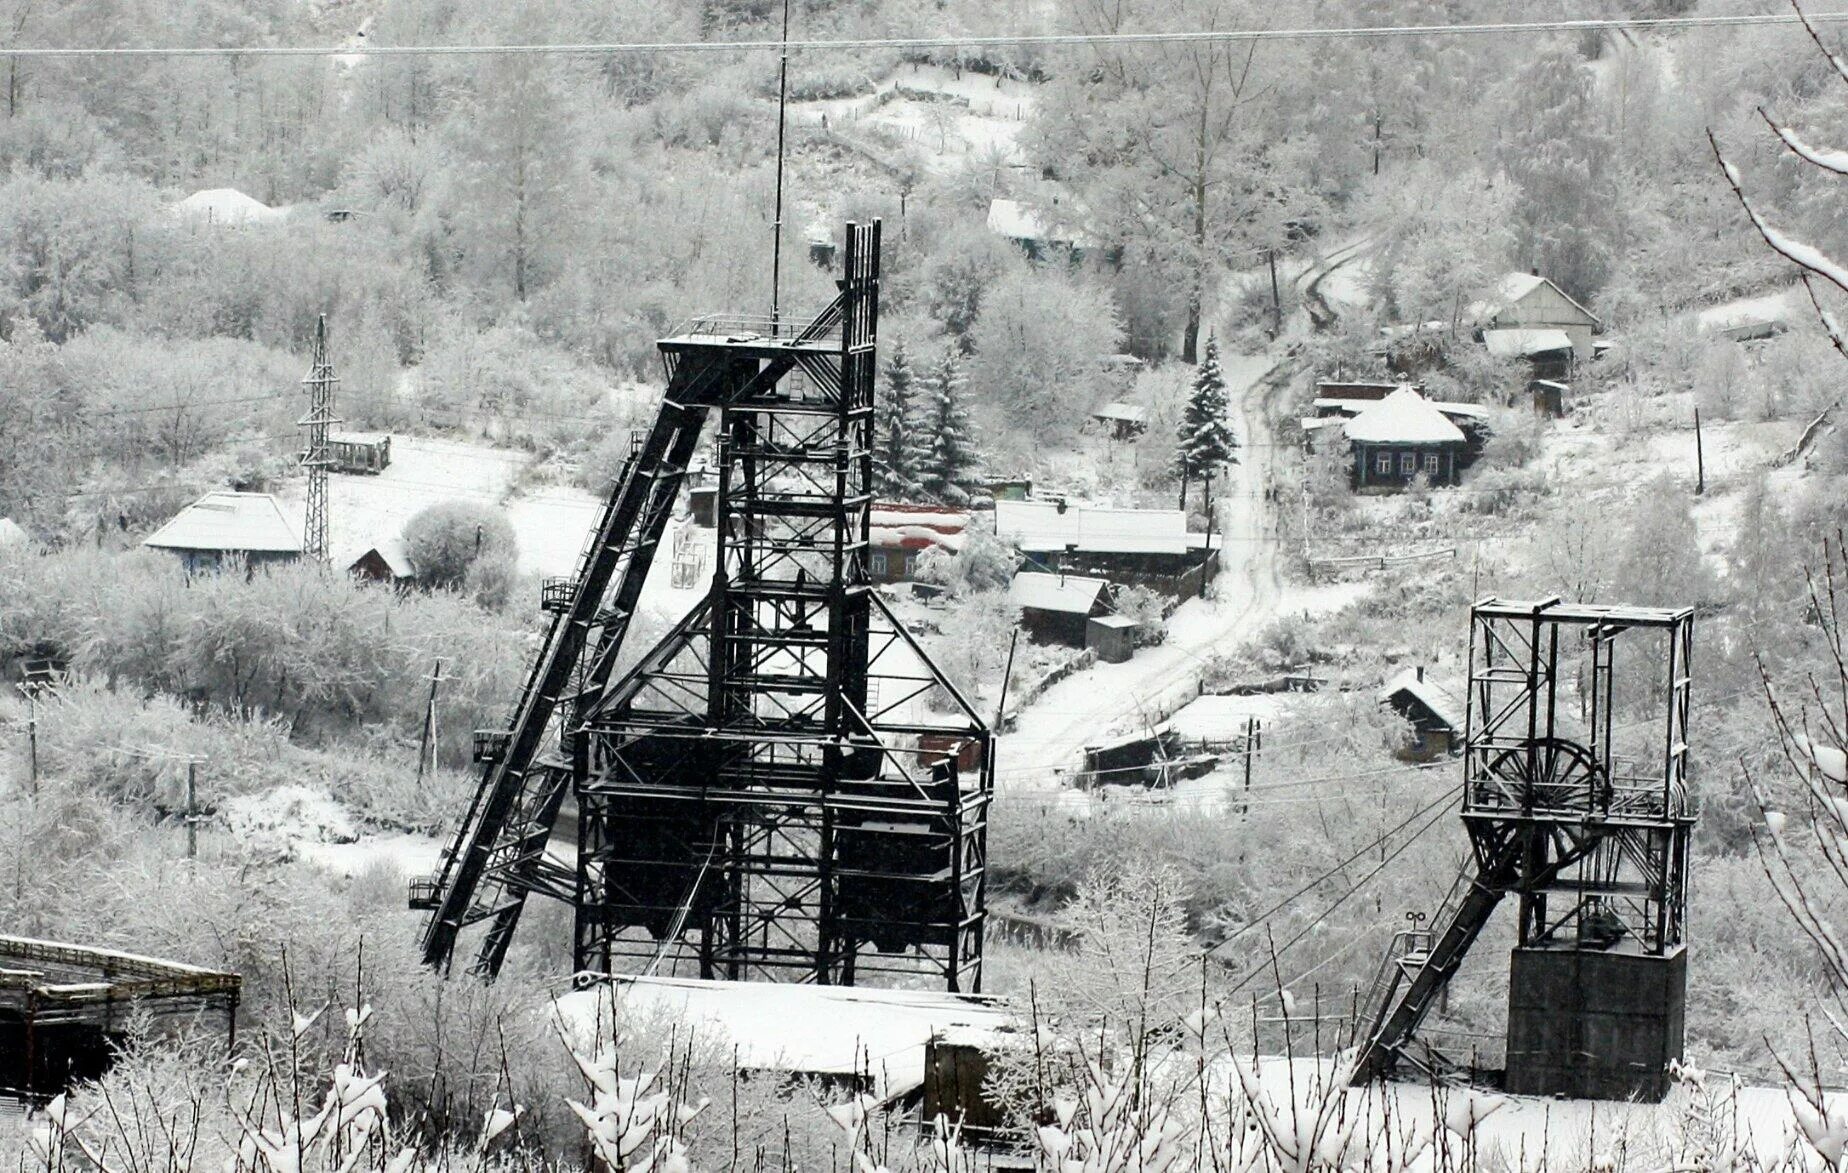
(1009, 488)
(387, 562)
(1527, 301)
(360, 452)
(901, 533)
(1402, 436)
(1112, 637)
(1121, 421)
(227, 524)
(1437, 722)
(1057, 608)
(1547, 350)
(1549, 396)
(1038, 231)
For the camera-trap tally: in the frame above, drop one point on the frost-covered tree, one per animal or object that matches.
(1204, 438)
(1041, 345)
(901, 447)
(947, 471)
(1565, 217)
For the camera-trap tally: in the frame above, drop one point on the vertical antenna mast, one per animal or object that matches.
(782, 114)
(315, 458)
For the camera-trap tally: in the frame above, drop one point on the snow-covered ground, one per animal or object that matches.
(946, 133)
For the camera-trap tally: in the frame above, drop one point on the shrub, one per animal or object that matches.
(448, 541)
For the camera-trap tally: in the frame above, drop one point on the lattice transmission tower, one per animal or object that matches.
(315, 457)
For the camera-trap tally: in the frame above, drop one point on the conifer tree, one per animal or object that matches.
(901, 446)
(948, 467)
(1204, 439)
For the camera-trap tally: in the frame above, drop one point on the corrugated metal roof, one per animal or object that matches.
(231, 522)
(1404, 417)
(1525, 343)
(1046, 525)
(1066, 593)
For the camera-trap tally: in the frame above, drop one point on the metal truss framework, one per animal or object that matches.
(764, 789)
(320, 382)
(1584, 820)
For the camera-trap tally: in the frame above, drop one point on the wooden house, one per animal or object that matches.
(387, 562)
(1121, 421)
(1528, 301)
(1140, 547)
(224, 525)
(901, 534)
(1345, 401)
(1111, 637)
(1057, 608)
(1436, 719)
(1549, 397)
(1401, 437)
(1547, 350)
(359, 452)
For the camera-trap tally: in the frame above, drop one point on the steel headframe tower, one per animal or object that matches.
(315, 457)
(763, 795)
(1585, 821)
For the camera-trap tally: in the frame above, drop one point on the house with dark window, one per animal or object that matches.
(1058, 608)
(1435, 716)
(901, 534)
(1121, 421)
(1140, 547)
(1401, 437)
(224, 526)
(1336, 403)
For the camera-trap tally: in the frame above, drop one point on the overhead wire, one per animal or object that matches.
(1305, 33)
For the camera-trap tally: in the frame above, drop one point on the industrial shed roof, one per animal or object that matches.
(1053, 525)
(229, 521)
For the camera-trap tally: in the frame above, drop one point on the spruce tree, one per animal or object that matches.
(948, 467)
(900, 445)
(1204, 439)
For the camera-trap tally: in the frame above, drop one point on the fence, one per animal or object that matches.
(1320, 566)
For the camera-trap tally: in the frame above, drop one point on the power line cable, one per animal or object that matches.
(931, 44)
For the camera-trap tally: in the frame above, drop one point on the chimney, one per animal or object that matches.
(1534, 272)
(1421, 673)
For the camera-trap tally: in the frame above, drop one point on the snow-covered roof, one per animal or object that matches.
(1017, 221)
(1051, 525)
(1404, 417)
(227, 206)
(397, 559)
(802, 1029)
(1525, 343)
(1212, 717)
(1412, 682)
(229, 521)
(1068, 593)
(357, 437)
(1553, 384)
(917, 527)
(11, 533)
(1117, 622)
(1116, 409)
(1514, 288)
(1452, 408)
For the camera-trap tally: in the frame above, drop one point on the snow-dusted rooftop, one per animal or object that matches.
(227, 206)
(397, 559)
(1017, 221)
(1116, 409)
(231, 522)
(1525, 343)
(1068, 593)
(1433, 697)
(917, 527)
(357, 437)
(802, 1029)
(11, 533)
(1404, 417)
(1052, 525)
(1514, 288)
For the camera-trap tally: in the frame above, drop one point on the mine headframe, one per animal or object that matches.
(1576, 804)
(764, 793)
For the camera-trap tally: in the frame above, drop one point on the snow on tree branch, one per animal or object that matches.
(1841, 67)
(1805, 256)
(1823, 157)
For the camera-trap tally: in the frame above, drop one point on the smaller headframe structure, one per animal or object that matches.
(64, 1009)
(1576, 803)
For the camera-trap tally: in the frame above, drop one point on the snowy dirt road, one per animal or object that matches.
(1051, 733)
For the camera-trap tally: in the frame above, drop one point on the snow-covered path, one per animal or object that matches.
(1052, 731)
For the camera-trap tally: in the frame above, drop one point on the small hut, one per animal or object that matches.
(359, 452)
(225, 524)
(1056, 608)
(1437, 725)
(388, 562)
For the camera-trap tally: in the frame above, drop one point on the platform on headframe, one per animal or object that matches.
(64, 1007)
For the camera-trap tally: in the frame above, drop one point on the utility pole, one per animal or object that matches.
(192, 808)
(1251, 749)
(32, 769)
(320, 383)
(782, 120)
(1276, 297)
(1700, 459)
(426, 752)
